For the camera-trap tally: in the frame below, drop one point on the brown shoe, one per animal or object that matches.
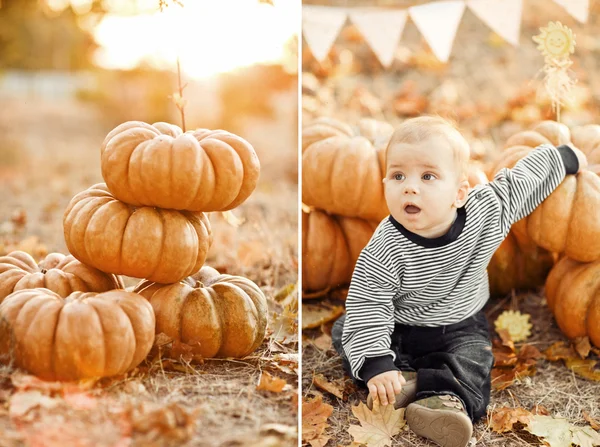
(442, 419)
(408, 393)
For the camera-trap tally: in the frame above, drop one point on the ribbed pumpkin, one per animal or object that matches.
(342, 167)
(568, 221)
(573, 295)
(159, 165)
(330, 248)
(226, 314)
(153, 243)
(57, 272)
(81, 336)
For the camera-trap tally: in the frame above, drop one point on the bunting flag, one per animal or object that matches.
(577, 8)
(438, 23)
(381, 29)
(320, 26)
(502, 16)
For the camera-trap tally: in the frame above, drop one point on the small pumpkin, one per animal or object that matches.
(342, 167)
(573, 296)
(146, 242)
(568, 221)
(81, 336)
(330, 248)
(159, 165)
(57, 272)
(225, 314)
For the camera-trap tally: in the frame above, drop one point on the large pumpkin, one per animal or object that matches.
(159, 165)
(573, 295)
(225, 314)
(568, 221)
(154, 243)
(57, 272)
(342, 167)
(81, 336)
(330, 248)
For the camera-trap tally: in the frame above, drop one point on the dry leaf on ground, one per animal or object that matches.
(323, 342)
(582, 367)
(582, 346)
(314, 315)
(559, 432)
(314, 421)
(510, 365)
(595, 423)
(268, 382)
(503, 419)
(331, 387)
(378, 426)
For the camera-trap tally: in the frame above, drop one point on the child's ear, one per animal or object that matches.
(462, 193)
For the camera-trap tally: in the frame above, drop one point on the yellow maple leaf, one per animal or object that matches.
(378, 426)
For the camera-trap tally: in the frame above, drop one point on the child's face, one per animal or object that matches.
(423, 185)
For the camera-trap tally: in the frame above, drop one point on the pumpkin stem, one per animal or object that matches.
(44, 271)
(199, 284)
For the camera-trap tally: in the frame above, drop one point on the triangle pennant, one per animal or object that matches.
(320, 26)
(502, 16)
(577, 8)
(438, 22)
(381, 29)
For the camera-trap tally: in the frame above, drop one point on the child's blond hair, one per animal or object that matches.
(415, 130)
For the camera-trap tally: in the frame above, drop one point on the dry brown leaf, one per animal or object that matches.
(322, 383)
(323, 342)
(314, 315)
(582, 346)
(172, 424)
(584, 368)
(594, 423)
(314, 420)
(558, 432)
(378, 426)
(268, 382)
(559, 351)
(504, 418)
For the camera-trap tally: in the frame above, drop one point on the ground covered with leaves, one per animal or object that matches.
(546, 391)
(51, 151)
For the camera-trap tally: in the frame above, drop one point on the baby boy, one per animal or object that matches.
(414, 329)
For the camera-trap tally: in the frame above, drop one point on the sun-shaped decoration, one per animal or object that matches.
(555, 41)
(516, 323)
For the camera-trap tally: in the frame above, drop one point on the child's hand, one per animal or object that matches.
(385, 386)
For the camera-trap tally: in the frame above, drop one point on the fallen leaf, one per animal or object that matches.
(314, 420)
(286, 430)
(323, 342)
(314, 315)
(378, 426)
(559, 432)
(269, 383)
(504, 418)
(582, 346)
(322, 383)
(585, 437)
(584, 368)
(172, 424)
(595, 424)
(559, 351)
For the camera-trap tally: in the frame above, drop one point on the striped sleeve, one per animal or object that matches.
(521, 189)
(369, 312)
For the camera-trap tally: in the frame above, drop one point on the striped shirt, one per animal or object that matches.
(401, 277)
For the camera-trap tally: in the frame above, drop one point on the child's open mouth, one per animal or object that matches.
(412, 209)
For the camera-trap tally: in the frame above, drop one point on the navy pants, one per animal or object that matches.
(454, 359)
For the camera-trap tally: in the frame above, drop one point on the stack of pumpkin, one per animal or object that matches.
(68, 319)
(342, 172)
(566, 224)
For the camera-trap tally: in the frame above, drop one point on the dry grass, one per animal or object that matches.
(553, 386)
(48, 153)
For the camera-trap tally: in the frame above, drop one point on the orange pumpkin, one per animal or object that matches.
(568, 221)
(57, 272)
(112, 236)
(81, 336)
(225, 314)
(158, 165)
(573, 296)
(330, 248)
(342, 167)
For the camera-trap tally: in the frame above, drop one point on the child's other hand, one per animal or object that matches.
(385, 386)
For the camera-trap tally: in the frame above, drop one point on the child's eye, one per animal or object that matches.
(398, 176)
(428, 176)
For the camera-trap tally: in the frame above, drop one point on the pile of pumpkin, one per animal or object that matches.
(558, 244)
(70, 318)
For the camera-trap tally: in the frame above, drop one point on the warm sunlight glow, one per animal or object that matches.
(209, 36)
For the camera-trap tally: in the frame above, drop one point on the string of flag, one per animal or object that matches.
(437, 21)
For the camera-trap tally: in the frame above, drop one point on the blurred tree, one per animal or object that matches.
(34, 37)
